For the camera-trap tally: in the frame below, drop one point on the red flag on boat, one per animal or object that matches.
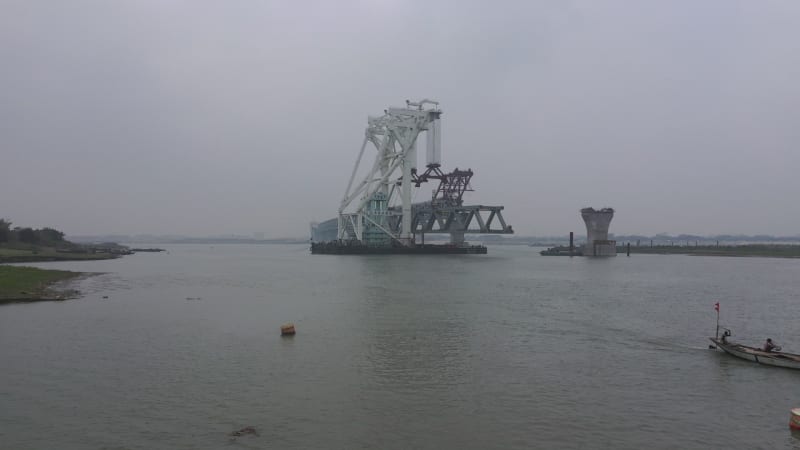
(716, 306)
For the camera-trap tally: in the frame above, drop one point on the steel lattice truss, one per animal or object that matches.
(452, 186)
(471, 219)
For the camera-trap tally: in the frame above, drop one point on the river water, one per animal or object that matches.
(507, 350)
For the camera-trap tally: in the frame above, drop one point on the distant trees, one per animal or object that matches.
(44, 236)
(50, 235)
(26, 235)
(5, 230)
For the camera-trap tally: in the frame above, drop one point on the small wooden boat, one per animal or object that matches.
(773, 358)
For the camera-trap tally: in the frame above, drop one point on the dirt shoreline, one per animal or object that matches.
(5, 301)
(21, 284)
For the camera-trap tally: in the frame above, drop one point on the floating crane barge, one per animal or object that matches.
(376, 216)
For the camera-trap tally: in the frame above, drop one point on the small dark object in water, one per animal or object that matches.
(711, 346)
(287, 329)
(243, 431)
(105, 296)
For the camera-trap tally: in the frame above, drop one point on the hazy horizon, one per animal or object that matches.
(580, 235)
(211, 118)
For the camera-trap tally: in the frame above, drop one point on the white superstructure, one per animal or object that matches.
(390, 179)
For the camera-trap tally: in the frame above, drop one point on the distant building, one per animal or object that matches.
(597, 242)
(326, 231)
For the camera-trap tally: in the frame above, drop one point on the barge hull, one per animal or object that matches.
(328, 248)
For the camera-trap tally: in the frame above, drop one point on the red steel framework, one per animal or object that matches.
(452, 186)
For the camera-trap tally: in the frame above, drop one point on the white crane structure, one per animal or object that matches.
(377, 211)
(394, 136)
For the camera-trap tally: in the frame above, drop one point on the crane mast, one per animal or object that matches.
(394, 136)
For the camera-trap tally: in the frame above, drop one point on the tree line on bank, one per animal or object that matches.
(41, 236)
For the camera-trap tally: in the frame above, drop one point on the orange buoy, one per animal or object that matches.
(287, 329)
(794, 421)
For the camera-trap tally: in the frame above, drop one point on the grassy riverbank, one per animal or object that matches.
(29, 284)
(22, 253)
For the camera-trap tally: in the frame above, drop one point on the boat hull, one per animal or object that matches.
(777, 359)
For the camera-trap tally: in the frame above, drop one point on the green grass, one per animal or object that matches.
(33, 253)
(31, 284)
(11, 252)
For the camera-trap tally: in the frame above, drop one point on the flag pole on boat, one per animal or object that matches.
(716, 335)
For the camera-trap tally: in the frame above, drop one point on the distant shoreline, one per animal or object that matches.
(789, 251)
(22, 259)
(754, 250)
(18, 252)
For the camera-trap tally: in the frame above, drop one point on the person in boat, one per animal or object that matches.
(768, 346)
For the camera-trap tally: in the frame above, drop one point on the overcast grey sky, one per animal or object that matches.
(212, 117)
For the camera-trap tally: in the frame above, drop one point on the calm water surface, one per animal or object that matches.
(509, 350)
